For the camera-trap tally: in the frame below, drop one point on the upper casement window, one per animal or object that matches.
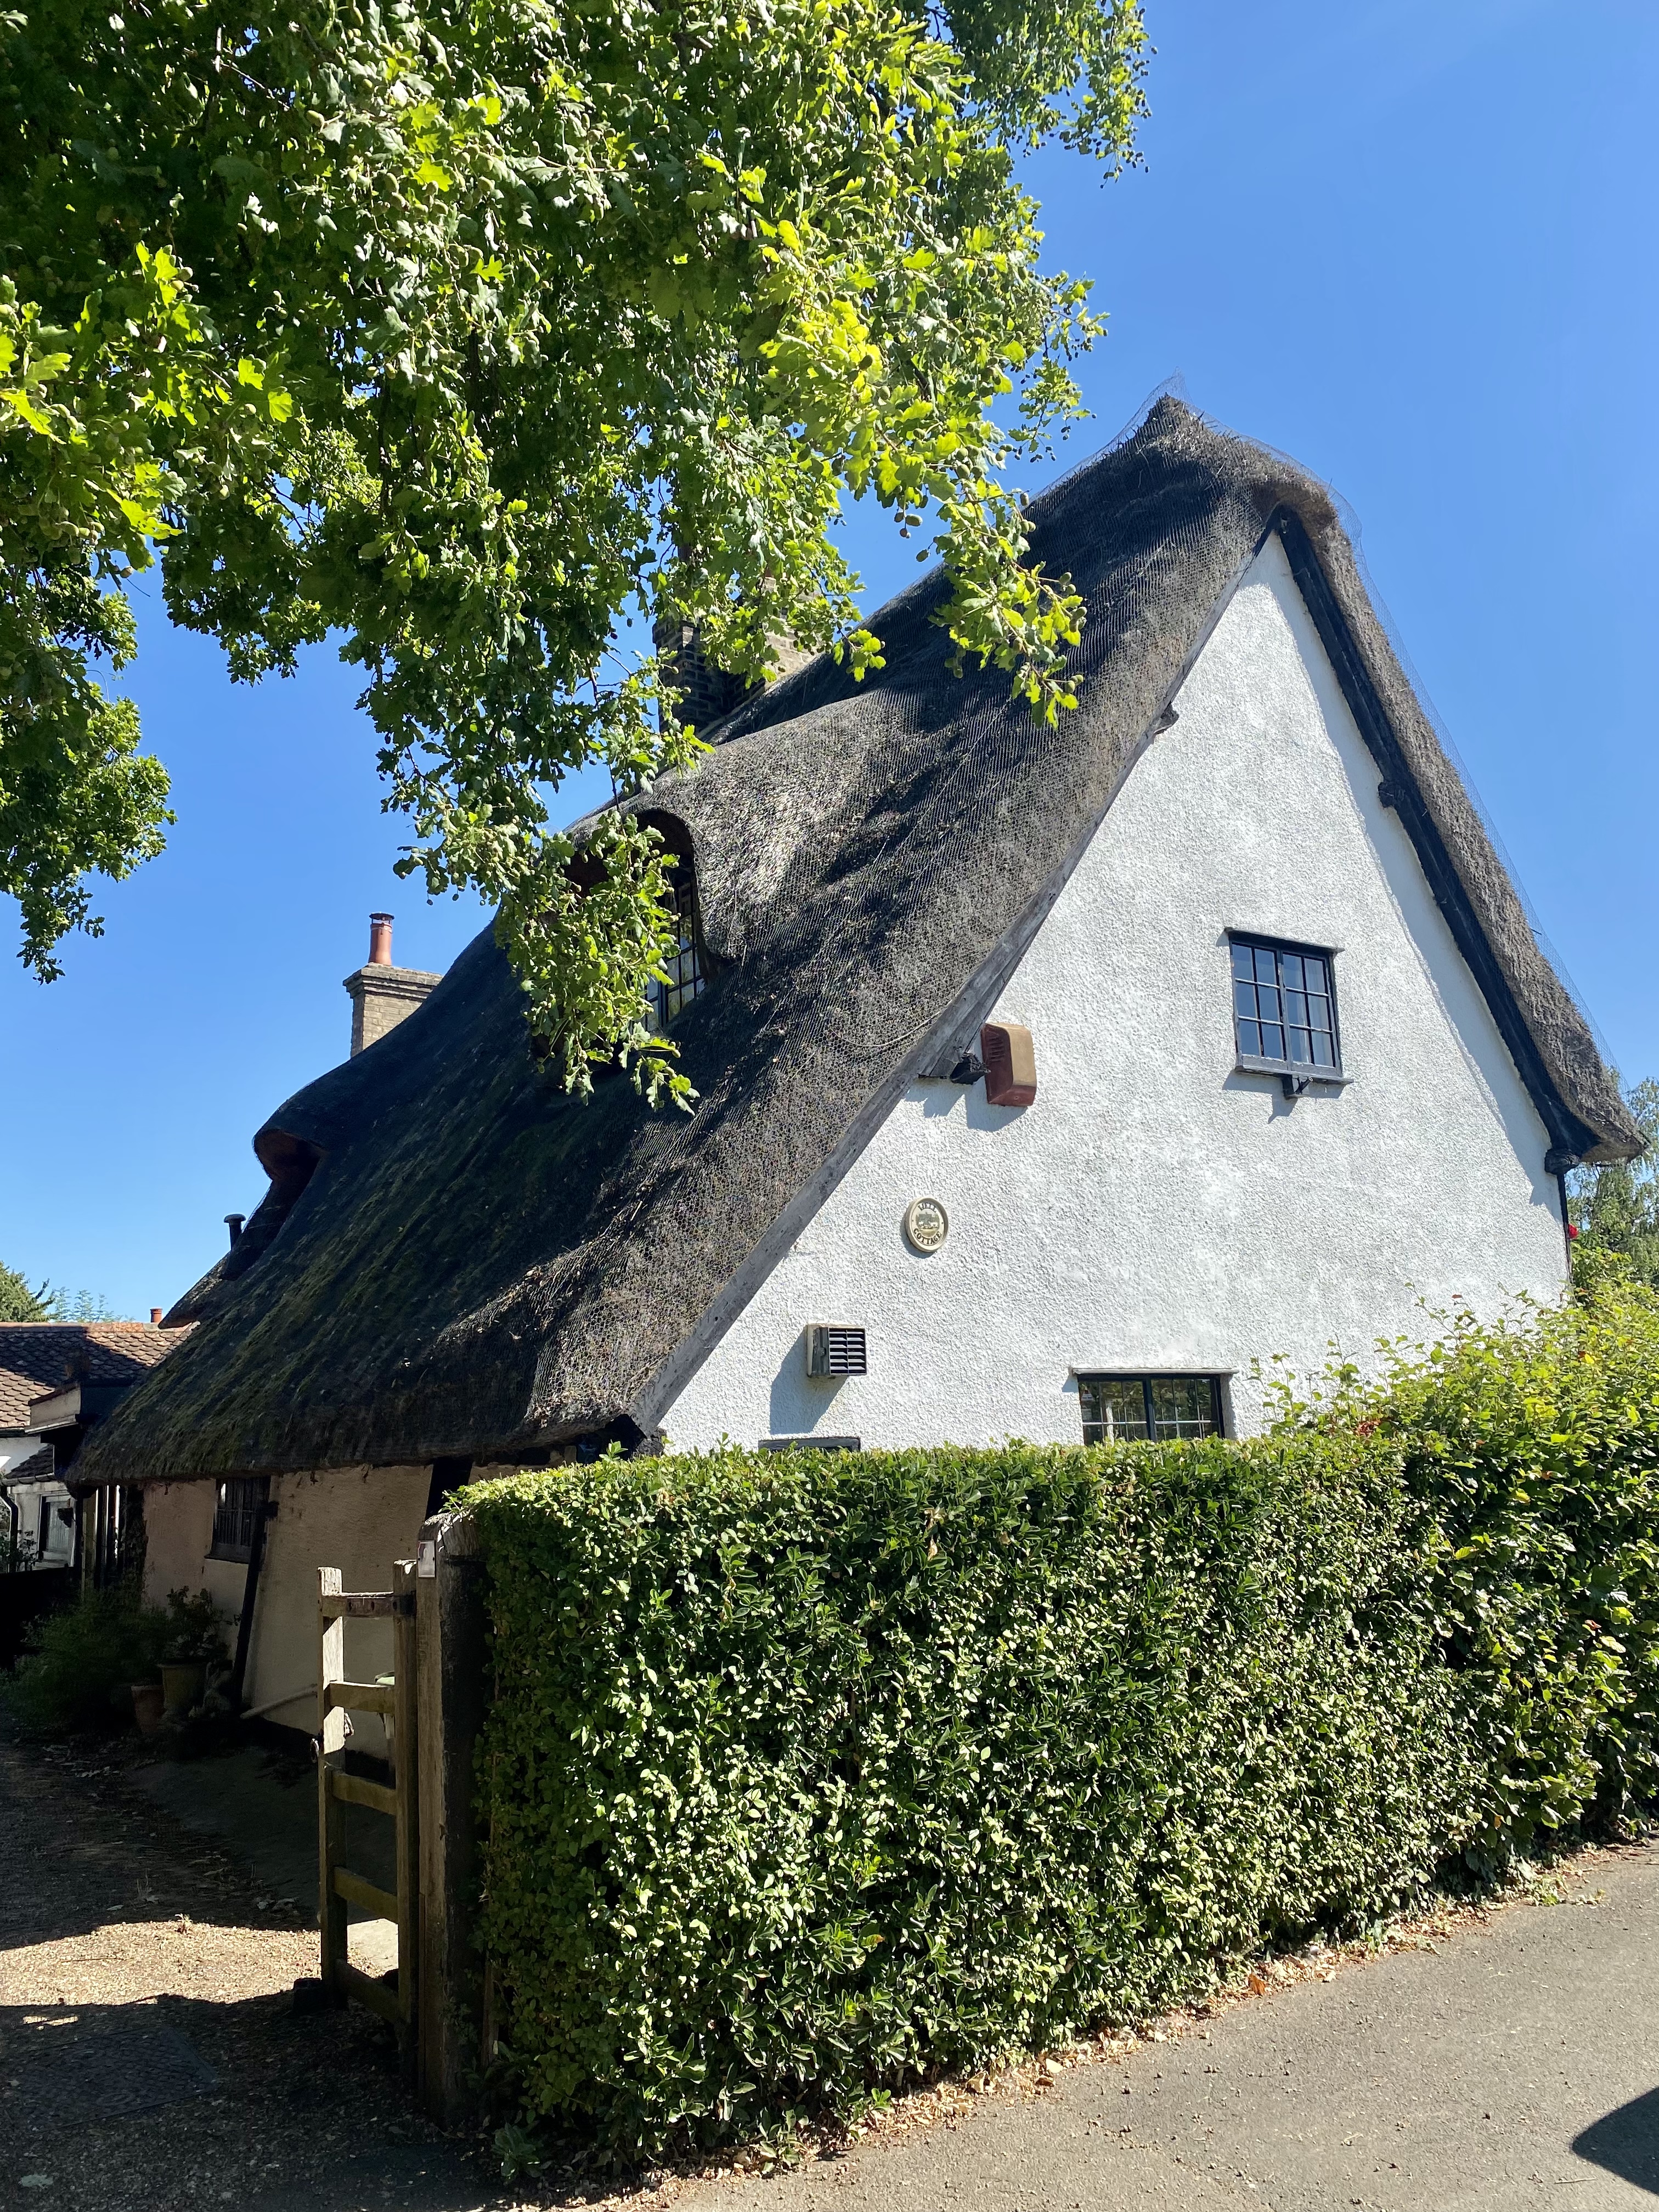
(683, 964)
(1285, 1010)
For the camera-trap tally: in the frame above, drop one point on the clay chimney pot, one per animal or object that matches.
(379, 940)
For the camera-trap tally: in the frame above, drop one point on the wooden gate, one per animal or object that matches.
(339, 1886)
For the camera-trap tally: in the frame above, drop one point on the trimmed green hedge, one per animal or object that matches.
(804, 1774)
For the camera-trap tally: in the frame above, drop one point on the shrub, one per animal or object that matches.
(805, 1775)
(79, 1660)
(76, 1658)
(190, 1631)
(1531, 1449)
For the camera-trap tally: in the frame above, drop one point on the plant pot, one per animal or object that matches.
(148, 1707)
(183, 1688)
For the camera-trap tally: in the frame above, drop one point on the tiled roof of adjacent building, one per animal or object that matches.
(38, 1356)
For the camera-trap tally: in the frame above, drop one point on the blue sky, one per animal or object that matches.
(1411, 244)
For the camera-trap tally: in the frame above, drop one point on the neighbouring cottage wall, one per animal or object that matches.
(358, 1519)
(177, 1536)
(52, 1496)
(1155, 1210)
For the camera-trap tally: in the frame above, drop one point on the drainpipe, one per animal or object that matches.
(12, 1540)
(256, 1560)
(1557, 1162)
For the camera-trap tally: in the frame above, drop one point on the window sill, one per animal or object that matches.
(1328, 1078)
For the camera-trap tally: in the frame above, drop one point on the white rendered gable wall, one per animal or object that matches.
(1155, 1211)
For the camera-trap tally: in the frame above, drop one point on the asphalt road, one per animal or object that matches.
(1515, 2065)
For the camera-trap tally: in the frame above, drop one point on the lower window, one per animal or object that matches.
(1139, 1409)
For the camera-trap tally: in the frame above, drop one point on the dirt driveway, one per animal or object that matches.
(149, 2054)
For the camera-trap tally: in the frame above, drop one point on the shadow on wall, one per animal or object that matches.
(941, 1099)
(1626, 2142)
(799, 1401)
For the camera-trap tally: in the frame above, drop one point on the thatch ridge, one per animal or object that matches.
(481, 1267)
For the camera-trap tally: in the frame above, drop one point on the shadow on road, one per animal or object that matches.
(1626, 2142)
(427, 2178)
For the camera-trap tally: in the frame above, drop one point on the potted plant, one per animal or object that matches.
(193, 1640)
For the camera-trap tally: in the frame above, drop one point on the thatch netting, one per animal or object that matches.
(482, 1267)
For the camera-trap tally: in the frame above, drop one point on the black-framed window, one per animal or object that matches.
(683, 964)
(234, 1513)
(1284, 1008)
(1141, 1408)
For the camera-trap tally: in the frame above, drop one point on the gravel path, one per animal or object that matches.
(149, 2057)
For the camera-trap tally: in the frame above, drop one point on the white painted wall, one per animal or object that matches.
(58, 1548)
(1154, 1209)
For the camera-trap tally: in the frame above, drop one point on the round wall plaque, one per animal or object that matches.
(927, 1225)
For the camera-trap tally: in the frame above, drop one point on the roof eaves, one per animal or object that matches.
(1573, 1137)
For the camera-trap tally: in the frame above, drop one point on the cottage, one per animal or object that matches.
(1049, 1081)
(56, 1379)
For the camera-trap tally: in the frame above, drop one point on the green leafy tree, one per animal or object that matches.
(18, 1302)
(467, 333)
(82, 1305)
(1616, 1208)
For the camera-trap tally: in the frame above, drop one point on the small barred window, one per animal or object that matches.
(235, 1511)
(683, 964)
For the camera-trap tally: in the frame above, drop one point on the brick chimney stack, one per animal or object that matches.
(382, 995)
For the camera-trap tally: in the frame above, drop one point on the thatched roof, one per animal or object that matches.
(482, 1267)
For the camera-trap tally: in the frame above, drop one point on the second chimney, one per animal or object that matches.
(382, 995)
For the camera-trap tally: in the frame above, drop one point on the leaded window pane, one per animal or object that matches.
(1182, 1406)
(683, 977)
(1113, 1412)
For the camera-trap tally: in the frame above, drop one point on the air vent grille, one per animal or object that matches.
(833, 1348)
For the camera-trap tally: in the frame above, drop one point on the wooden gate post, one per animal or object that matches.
(331, 1815)
(406, 1780)
(450, 1633)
